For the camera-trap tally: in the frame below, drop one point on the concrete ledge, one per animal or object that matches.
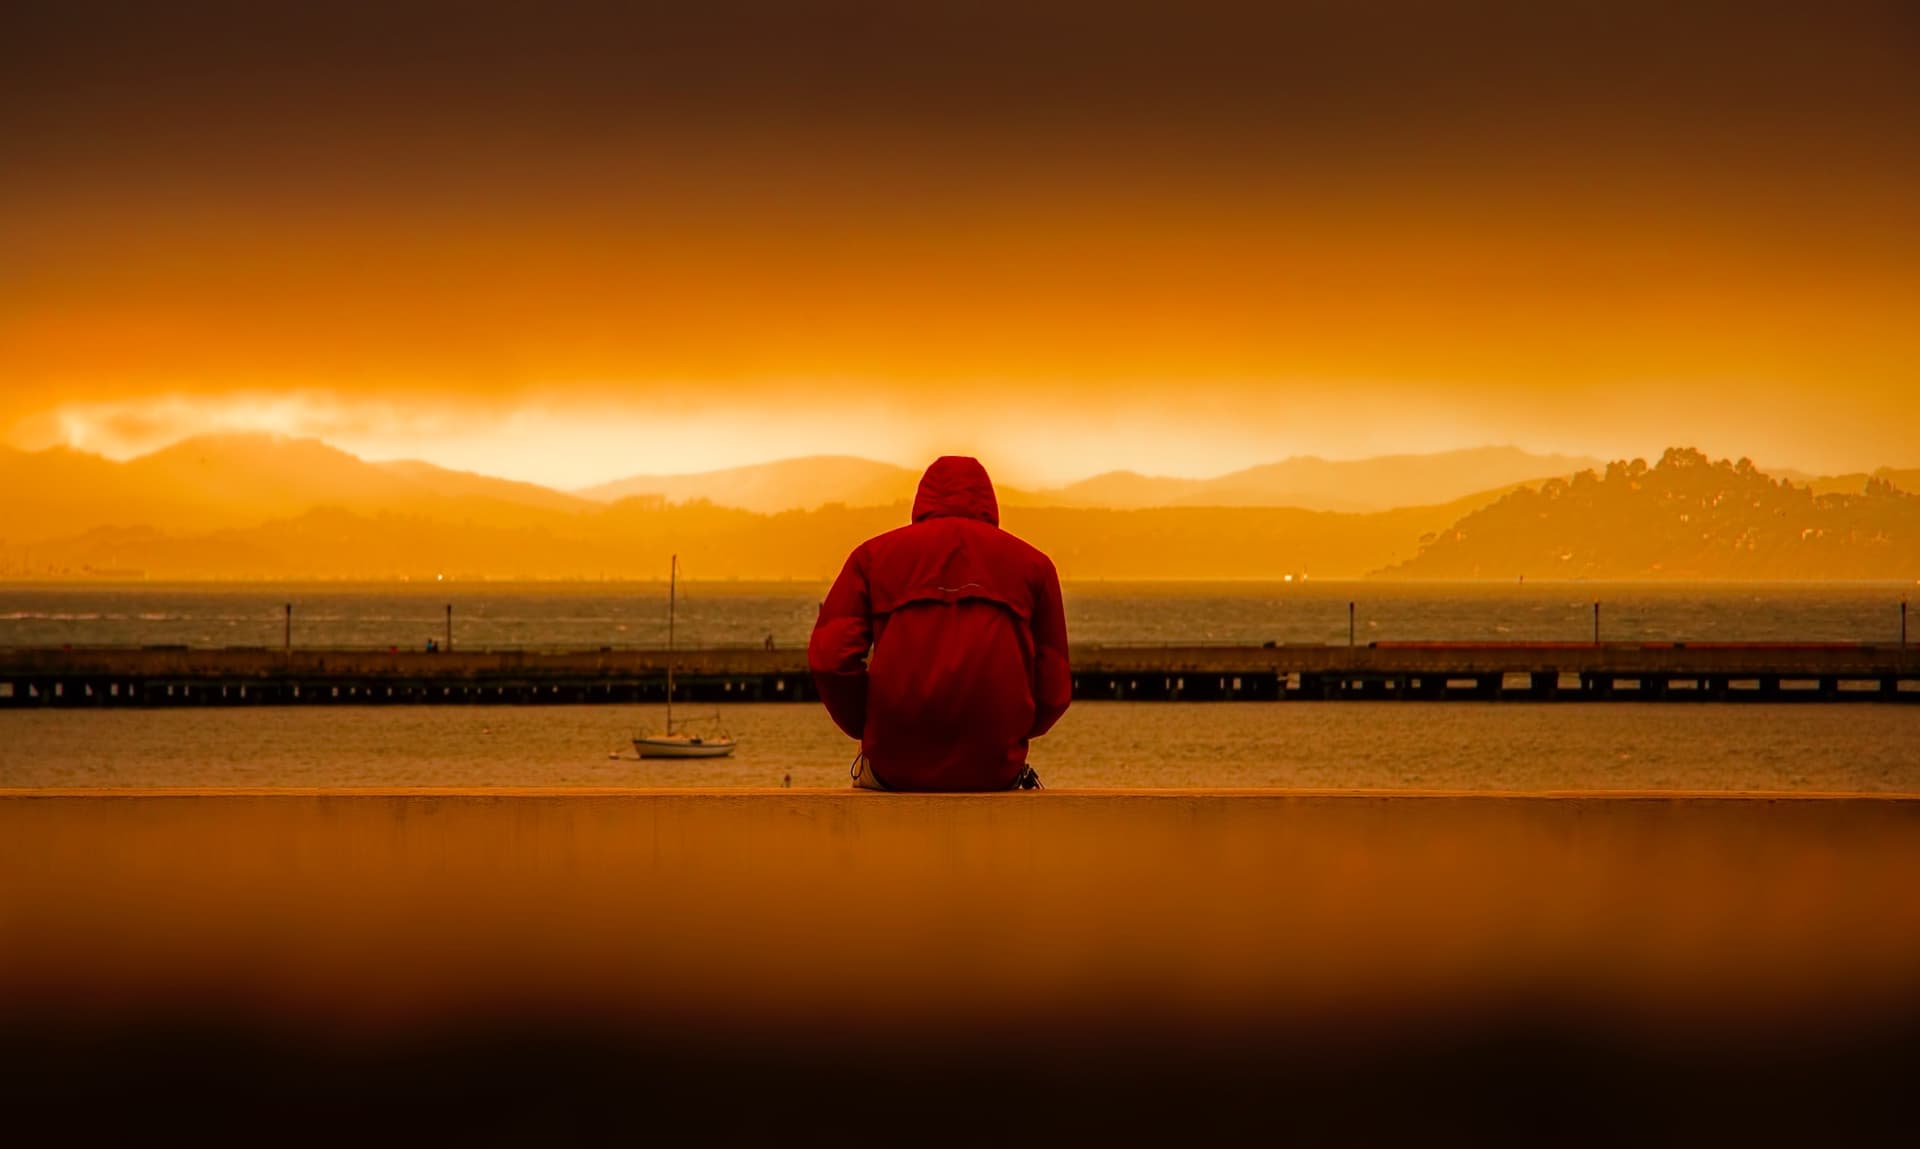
(1235, 896)
(1240, 931)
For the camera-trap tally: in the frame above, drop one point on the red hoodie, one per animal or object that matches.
(967, 637)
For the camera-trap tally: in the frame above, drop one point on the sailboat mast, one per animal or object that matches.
(673, 582)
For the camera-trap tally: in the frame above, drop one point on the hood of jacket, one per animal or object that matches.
(956, 486)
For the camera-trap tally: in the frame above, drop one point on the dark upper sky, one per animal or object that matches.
(1291, 84)
(1496, 211)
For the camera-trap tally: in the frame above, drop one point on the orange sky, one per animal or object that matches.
(1068, 238)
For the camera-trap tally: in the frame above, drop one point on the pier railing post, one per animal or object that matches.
(1596, 624)
(1349, 624)
(286, 641)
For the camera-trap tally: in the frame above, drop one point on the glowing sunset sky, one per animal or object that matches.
(569, 242)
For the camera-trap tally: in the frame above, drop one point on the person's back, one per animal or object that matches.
(967, 637)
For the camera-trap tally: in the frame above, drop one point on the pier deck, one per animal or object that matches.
(1433, 671)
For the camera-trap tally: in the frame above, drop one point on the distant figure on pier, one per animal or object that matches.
(942, 646)
(769, 642)
(433, 646)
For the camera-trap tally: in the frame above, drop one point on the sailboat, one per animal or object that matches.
(679, 743)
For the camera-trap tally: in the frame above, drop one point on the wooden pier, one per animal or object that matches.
(1429, 671)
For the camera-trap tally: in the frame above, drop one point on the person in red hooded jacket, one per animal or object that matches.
(942, 646)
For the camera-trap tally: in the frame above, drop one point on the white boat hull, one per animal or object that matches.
(681, 746)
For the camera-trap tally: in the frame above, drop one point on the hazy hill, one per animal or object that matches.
(212, 482)
(216, 480)
(1307, 483)
(1321, 484)
(632, 539)
(1687, 517)
(241, 491)
(447, 484)
(1855, 483)
(790, 484)
(56, 492)
(1125, 490)
(262, 507)
(1228, 542)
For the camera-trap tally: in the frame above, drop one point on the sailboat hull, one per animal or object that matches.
(682, 747)
(671, 744)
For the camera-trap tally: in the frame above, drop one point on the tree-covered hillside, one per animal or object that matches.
(1685, 517)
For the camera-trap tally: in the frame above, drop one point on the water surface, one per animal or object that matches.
(1505, 746)
(1374, 745)
(592, 615)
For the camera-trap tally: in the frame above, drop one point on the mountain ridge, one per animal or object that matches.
(252, 506)
(211, 482)
(633, 538)
(800, 483)
(1314, 483)
(218, 481)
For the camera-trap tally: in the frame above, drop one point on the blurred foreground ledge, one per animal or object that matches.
(730, 965)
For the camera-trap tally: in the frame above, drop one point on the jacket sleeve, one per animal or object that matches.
(1052, 677)
(837, 652)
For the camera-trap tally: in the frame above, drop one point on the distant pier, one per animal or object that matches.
(1410, 671)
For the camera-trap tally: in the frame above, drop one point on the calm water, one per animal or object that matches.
(592, 615)
(1505, 746)
(1372, 745)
